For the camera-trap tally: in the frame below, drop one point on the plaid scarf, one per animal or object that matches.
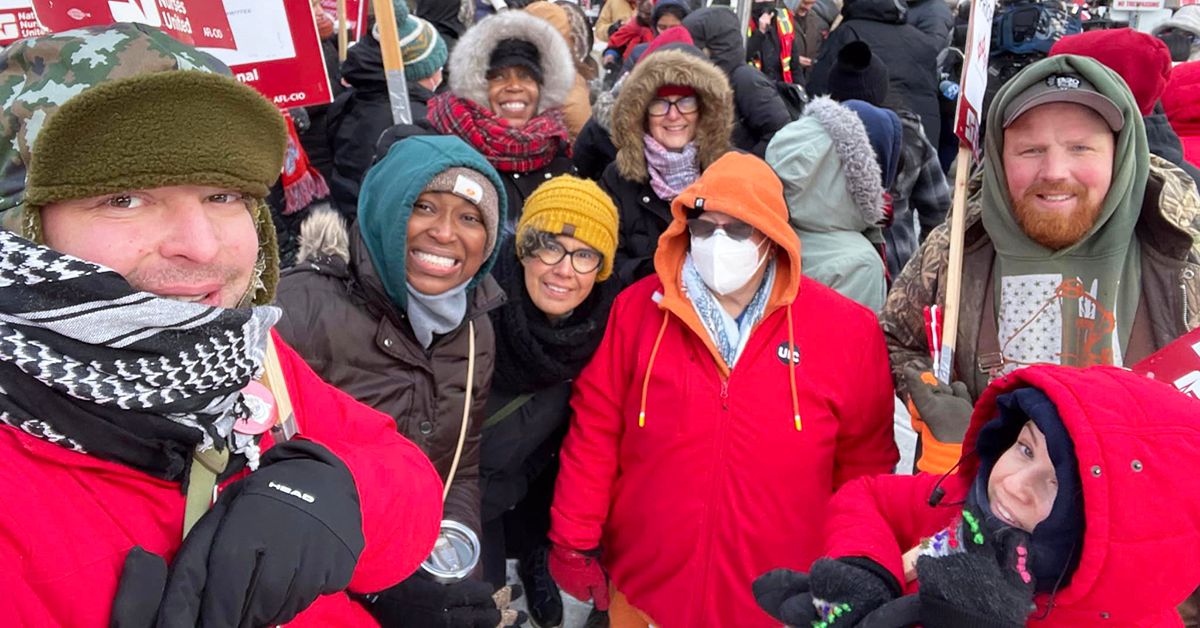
(90, 363)
(507, 148)
(670, 172)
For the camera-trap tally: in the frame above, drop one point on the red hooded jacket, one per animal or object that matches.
(69, 519)
(1181, 101)
(1138, 446)
(719, 484)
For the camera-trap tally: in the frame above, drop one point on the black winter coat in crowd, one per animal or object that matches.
(594, 149)
(932, 17)
(358, 117)
(1165, 142)
(644, 216)
(759, 110)
(910, 55)
(536, 361)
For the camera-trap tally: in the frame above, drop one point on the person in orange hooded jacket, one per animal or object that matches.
(729, 399)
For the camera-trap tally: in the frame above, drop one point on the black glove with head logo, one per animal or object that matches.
(272, 543)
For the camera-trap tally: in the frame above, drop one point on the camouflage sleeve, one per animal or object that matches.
(903, 317)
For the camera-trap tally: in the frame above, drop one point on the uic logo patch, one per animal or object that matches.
(784, 354)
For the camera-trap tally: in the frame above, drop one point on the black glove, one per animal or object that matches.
(615, 26)
(273, 542)
(848, 589)
(946, 409)
(141, 587)
(418, 602)
(986, 584)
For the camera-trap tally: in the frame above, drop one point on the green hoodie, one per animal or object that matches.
(1035, 326)
(389, 191)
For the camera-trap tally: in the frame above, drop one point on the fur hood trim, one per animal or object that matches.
(860, 168)
(323, 235)
(469, 62)
(671, 67)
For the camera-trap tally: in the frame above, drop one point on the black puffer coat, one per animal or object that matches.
(932, 17)
(644, 216)
(358, 117)
(759, 110)
(536, 362)
(910, 55)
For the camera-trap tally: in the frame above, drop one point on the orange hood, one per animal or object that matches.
(744, 187)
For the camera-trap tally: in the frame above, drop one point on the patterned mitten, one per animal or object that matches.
(971, 576)
(838, 593)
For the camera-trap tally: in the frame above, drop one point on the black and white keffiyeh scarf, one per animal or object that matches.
(90, 363)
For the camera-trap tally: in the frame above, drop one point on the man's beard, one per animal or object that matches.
(230, 278)
(1055, 230)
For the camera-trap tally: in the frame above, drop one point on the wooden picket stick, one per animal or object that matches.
(343, 36)
(393, 61)
(958, 220)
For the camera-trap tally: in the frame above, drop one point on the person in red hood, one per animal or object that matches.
(729, 399)
(135, 323)
(1182, 104)
(1072, 508)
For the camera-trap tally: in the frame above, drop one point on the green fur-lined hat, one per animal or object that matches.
(109, 109)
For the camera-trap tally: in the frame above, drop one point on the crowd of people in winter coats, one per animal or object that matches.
(641, 322)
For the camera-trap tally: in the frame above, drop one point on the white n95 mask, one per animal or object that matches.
(726, 264)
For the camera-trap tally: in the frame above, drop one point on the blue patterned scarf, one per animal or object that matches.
(729, 335)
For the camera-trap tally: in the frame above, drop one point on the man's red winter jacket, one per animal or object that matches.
(1138, 445)
(69, 519)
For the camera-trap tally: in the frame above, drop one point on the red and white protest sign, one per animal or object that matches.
(356, 21)
(279, 52)
(195, 22)
(1177, 364)
(18, 21)
(975, 74)
(1138, 5)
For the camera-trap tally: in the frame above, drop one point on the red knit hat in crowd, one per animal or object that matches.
(1142, 60)
(673, 35)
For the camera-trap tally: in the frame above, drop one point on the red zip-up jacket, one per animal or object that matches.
(1138, 446)
(69, 519)
(720, 482)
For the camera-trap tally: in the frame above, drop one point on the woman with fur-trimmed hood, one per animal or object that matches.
(672, 119)
(510, 75)
(833, 185)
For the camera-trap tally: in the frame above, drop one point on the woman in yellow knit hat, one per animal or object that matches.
(554, 273)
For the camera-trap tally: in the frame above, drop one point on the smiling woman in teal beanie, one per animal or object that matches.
(393, 311)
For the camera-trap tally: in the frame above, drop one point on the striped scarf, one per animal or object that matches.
(91, 364)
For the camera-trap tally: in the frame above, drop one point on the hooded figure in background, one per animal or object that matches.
(578, 107)
(1181, 33)
(394, 312)
(759, 110)
(729, 399)
(1073, 483)
(363, 112)
(1181, 101)
(510, 76)
(911, 56)
(834, 187)
(920, 185)
(648, 173)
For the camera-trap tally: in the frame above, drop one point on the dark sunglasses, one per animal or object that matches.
(662, 106)
(736, 230)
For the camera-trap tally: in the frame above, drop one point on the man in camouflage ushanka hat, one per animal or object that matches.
(135, 279)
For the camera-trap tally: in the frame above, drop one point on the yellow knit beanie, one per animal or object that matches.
(576, 208)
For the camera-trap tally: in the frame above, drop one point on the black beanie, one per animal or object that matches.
(516, 52)
(858, 75)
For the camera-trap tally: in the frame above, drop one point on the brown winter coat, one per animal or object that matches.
(337, 315)
(1168, 308)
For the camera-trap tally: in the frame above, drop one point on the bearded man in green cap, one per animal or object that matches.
(136, 277)
(1079, 249)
